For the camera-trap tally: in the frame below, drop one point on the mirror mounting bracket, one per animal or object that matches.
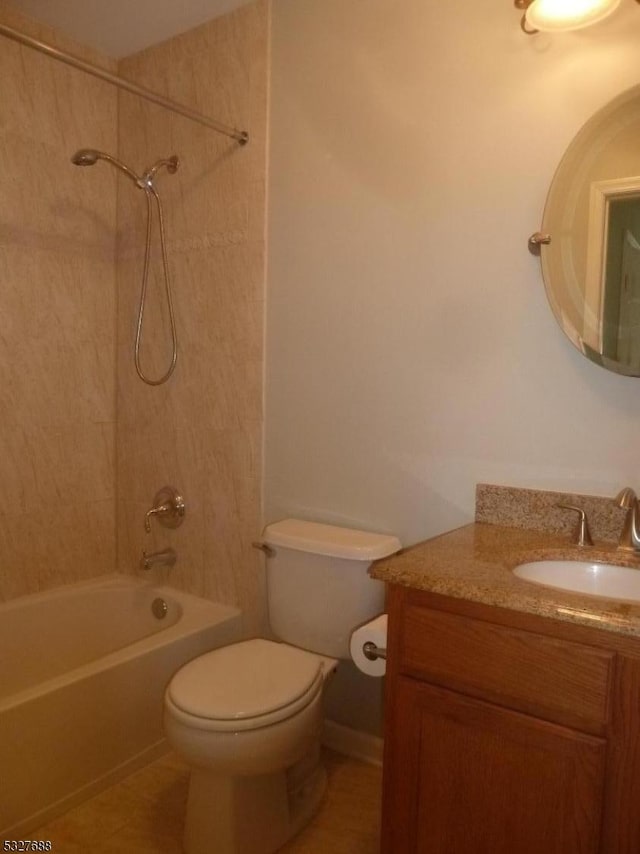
(537, 240)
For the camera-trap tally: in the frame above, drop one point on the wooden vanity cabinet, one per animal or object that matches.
(507, 733)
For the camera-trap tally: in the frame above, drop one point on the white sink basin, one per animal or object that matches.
(592, 578)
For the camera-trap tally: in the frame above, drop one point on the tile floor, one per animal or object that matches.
(143, 814)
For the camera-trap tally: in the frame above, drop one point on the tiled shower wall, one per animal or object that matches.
(74, 483)
(57, 320)
(202, 431)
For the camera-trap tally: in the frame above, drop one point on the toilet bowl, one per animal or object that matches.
(248, 717)
(250, 708)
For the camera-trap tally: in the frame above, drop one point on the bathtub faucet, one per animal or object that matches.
(167, 557)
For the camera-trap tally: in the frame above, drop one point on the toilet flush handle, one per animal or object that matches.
(264, 547)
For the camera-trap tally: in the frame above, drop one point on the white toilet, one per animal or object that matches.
(248, 717)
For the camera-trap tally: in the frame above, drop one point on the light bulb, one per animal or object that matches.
(558, 15)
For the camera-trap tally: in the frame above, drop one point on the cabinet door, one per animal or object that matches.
(466, 777)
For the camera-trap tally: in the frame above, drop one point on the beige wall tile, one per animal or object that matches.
(57, 338)
(202, 431)
(57, 545)
(72, 260)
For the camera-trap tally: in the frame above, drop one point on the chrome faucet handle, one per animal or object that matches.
(160, 510)
(168, 506)
(582, 534)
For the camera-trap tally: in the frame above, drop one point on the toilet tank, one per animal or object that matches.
(317, 582)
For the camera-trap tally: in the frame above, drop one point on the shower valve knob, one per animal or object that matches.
(168, 507)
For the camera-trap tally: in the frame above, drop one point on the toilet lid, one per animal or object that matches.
(245, 680)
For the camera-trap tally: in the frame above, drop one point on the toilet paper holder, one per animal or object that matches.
(373, 652)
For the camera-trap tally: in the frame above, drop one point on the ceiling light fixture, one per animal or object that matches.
(562, 15)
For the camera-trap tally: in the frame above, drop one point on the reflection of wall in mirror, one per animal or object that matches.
(622, 282)
(615, 156)
(608, 152)
(614, 209)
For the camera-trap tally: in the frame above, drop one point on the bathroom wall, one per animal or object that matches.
(202, 431)
(57, 320)
(411, 352)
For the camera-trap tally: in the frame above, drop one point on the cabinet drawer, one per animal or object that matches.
(554, 679)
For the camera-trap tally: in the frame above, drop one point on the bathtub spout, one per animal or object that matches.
(167, 557)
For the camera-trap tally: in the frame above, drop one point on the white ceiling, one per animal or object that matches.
(121, 27)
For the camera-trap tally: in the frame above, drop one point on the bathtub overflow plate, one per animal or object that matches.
(159, 608)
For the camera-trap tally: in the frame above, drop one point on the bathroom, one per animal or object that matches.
(373, 339)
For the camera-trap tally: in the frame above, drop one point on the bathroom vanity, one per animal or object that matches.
(512, 709)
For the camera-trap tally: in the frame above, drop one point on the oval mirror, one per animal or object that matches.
(591, 265)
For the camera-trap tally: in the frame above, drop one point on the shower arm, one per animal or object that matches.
(171, 164)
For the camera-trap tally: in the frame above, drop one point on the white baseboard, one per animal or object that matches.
(352, 742)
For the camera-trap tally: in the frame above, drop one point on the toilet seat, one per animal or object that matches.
(245, 686)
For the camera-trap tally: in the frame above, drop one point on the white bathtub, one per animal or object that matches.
(83, 670)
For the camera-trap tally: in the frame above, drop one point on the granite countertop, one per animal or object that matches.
(475, 563)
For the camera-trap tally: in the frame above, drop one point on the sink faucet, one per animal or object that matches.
(630, 536)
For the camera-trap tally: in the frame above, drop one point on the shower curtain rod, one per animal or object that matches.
(240, 136)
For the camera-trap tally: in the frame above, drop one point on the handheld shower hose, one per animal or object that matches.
(90, 156)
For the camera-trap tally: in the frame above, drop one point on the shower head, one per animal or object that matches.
(90, 156)
(85, 157)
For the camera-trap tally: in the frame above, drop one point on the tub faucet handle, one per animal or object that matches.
(159, 510)
(168, 507)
